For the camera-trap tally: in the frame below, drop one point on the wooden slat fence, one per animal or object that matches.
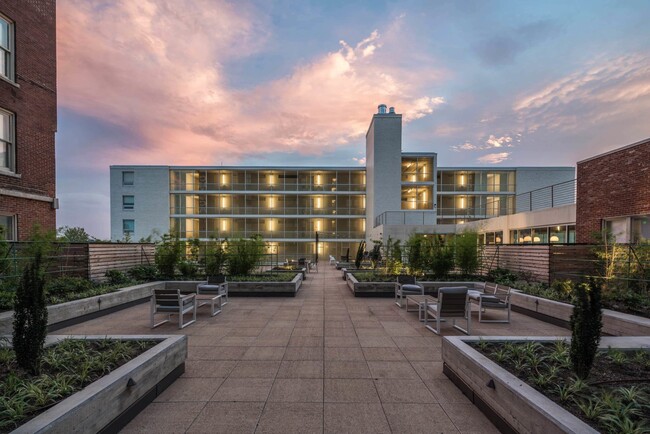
(529, 259)
(571, 261)
(103, 257)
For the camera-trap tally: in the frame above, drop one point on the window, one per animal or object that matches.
(7, 228)
(6, 48)
(7, 140)
(128, 202)
(128, 178)
(128, 227)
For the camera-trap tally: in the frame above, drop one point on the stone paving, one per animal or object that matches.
(322, 362)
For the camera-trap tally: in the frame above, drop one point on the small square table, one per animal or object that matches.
(211, 299)
(420, 300)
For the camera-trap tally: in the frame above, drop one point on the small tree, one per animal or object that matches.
(168, 255)
(244, 255)
(359, 258)
(441, 260)
(70, 234)
(467, 252)
(586, 324)
(375, 254)
(30, 308)
(418, 249)
(215, 257)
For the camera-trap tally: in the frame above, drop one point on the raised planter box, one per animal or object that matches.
(72, 312)
(512, 405)
(303, 271)
(559, 313)
(387, 289)
(273, 289)
(109, 403)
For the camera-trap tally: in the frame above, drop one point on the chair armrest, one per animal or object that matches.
(188, 297)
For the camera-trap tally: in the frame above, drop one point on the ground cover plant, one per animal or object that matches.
(270, 277)
(614, 398)
(66, 368)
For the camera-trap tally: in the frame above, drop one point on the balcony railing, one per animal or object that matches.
(276, 234)
(245, 186)
(255, 210)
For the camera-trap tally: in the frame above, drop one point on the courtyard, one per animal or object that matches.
(323, 361)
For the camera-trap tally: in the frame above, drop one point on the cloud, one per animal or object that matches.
(498, 142)
(504, 47)
(360, 161)
(160, 75)
(491, 142)
(494, 158)
(606, 90)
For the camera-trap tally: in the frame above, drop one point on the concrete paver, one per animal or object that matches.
(323, 361)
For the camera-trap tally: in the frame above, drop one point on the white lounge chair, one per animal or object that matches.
(172, 302)
(453, 303)
(406, 285)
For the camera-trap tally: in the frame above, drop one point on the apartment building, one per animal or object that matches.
(27, 116)
(394, 193)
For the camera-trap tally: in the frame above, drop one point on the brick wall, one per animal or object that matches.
(33, 101)
(612, 185)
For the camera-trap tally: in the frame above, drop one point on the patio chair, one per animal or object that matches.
(406, 285)
(172, 302)
(498, 299)
(216, 284)
(332, 260)
(453, 303)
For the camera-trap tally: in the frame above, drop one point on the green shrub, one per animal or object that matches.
(168, 255)
(188, 269)
(586, 324)
(277, 277)
(441, 259)
(30, 313)
(417, 254)
(244, 255)
(116, 277)
(63, 285)
(467, 252)
(215, 258)
(143, 273)
(502, 276)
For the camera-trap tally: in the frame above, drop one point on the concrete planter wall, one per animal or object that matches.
(387, 289)
(512, 405)
(277, 289)
(302, 271)
(614, 323)
(60, 314)
(108, 403)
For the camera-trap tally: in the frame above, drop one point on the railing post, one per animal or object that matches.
(552, 196)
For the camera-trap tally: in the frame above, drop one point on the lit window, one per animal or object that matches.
(7, 141)
(128, 227)
(128, 178)
(6, 48)
(128, 202)
(7, 228)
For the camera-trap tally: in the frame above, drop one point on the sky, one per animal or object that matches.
(296, 82)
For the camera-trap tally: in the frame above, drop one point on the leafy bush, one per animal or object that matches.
(116, 277)
(502, 276)
(244, 255)
(417, 253)
(143, 273)
(279, 277)
(215, 258)
(63, 285)
(30, 313)
(586, 324)
(168, 254)
(441, 259)
(467, 252)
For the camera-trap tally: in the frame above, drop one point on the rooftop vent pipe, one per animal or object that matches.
(391, 110)
(381, 109)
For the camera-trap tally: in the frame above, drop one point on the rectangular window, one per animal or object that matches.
(128, 202)
(128, 227)
(7, 48)
(7, 228)
(7, 140)
(128, 178)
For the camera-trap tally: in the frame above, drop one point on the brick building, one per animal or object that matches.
(27, 116)
(613, 193)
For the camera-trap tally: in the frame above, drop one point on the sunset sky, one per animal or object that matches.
(209, 82)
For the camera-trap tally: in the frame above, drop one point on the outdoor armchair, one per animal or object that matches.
(406, 285)
(453, 303)
(216, 284)
(498, 299)
(172, 302)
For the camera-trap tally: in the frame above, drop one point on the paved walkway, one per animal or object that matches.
(323, 361)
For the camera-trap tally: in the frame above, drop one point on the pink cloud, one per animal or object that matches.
(494, 158)
(155, 68)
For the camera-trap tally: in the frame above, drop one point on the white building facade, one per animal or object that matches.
(395, 194)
